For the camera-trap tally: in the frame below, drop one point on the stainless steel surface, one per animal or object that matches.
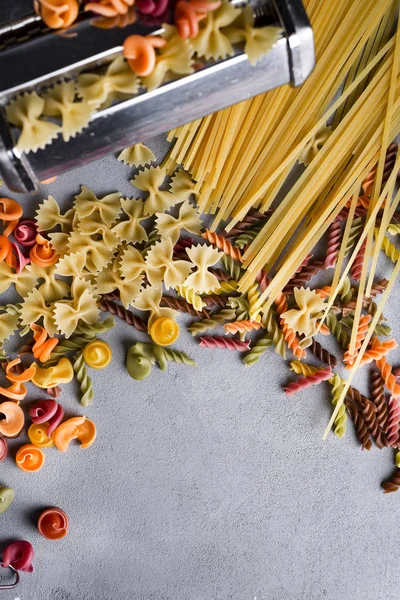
(10, 586)
(211, 88)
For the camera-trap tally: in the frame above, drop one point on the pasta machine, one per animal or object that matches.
(33, 56)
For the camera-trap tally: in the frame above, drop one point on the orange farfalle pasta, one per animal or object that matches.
(288, 333)
(189, 14)
(57, 14)
(42, 347)
(140, 52)
(377, 350)
(42, 253)
(242, 326)
(350, 357)
(110, 8)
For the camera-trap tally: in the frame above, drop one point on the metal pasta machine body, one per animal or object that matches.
(32, 56)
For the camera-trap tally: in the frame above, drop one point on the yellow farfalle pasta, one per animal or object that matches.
(96, 253)
(110, 279)
(83, 306)
(258, 40)
(162, 267)
(203, 257)
(94, 226)
(131, 263)
(188, 219)
(211, 42)
(71, 265)
(137, 155)
(34, 308)
(118, 78)
(174, 58)
(53, 289)
(25, 112)
(60, 240)
(61, 102)
(48, 216)
(150, 180)
(8, 324)
(304, 319)
(314, 145)
(131, 230)
(149, 300)
(24, 281)
(182, 185)
(87, 204)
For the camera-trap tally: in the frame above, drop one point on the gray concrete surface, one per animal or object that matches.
(205, 484)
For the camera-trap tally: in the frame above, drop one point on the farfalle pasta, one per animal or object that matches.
(304, 319)
(82, 306)
(96, 253)
(257, 40)
(60, 101)
(71, 265)
(108, 207)
(131, 230)
(188, 219)
(25, 112)
(211, 41)
(162, 267)
(132, 264)
(53, 289)
(110, 279)
(136, 155)
(174, 58)
(203, 257)
(150, 180)
(182, 185)
(8, 324)
(48, 216)
(95, 89)
(149, 300)
(24, 281)
(34, 308)
(94, 226)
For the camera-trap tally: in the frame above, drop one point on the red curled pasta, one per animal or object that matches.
(155, 8)
(55, 420)
(20, 260)
(19, 556)
(140, 53)
(43, 411)
(25, 232)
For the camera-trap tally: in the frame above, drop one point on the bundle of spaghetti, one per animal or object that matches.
(377, 387)
(304, 382)
(349, 357)
(388, 377)
(393, 422)
(342, 34)
(390, 159)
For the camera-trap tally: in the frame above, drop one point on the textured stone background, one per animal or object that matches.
(207, 483)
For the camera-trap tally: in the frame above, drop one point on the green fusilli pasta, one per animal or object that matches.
(232, 266)
(338, 329)
(257, 350)
(341, 418)
(276, 334)
(227, 314)
(241, 305)
(74, 343)
(95, 328)
(84, 380)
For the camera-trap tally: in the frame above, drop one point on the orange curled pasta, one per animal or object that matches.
(110, 8)
(17, 390)
(189, 14)
(58, 14)
(242, 326)
(42, 253)
(388, 377)
(377, 350)
(350, 357)
(42, 347)
(5, 248)
(140, 53)
(10, 212)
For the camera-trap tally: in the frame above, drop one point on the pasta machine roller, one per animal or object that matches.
(33, 57)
